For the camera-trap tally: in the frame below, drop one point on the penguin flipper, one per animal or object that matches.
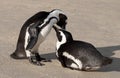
(31, 43)
(33, 37)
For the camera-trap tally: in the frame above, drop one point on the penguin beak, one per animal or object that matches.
(56, 29)
(59, 37)
(64, 27)
(63, 21)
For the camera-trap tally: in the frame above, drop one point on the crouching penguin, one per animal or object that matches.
(78, 55)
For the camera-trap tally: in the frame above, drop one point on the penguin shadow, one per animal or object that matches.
(106, 51)
(110, 52)
(50, 56)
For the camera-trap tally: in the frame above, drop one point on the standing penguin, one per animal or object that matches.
(78, 54)
(34, 32)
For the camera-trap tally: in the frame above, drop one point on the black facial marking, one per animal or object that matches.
(67, 35)
(33, 37)
(59, 36)
(62, 22)
(47, 22)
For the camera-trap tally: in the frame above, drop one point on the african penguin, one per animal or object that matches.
(78, 55)
(34, 32)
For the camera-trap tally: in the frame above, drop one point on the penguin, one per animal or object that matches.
(33, 33)
(78, 55)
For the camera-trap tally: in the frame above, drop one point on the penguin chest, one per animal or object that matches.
(46, 30)
(43, 34)
(41, 37)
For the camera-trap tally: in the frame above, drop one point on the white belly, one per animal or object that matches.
(42, 35)
(40, 40)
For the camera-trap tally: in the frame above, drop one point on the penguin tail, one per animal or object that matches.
(107, 61)
(18, 55)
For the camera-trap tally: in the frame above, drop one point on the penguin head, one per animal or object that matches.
(62, 21)
(62, 18)
(63, 35)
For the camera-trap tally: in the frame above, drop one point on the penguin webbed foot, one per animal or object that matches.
(45, 60)
(36, 59)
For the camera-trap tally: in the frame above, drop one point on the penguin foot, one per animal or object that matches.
(17, 55)
(45, 60)
(36, 59)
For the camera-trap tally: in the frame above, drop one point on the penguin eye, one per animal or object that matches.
(59, 33)
(59, 36)
(41, 22)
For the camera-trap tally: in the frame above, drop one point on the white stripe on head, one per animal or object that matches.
(59, 43)
(58, 10)
(45, 31)
(54, 13)
(27, 36)
(77, 61)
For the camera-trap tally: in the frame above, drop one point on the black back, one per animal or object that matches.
(40, 16)
(83, 51)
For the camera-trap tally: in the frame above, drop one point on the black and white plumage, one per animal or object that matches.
(34, 32)
(78, 54)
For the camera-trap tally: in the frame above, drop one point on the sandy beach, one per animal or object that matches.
(93, 21)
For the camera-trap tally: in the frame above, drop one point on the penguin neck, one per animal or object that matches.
(63, 41)
(58, 45)
(46, 29)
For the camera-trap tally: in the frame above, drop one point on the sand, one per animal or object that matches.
(94, 21)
